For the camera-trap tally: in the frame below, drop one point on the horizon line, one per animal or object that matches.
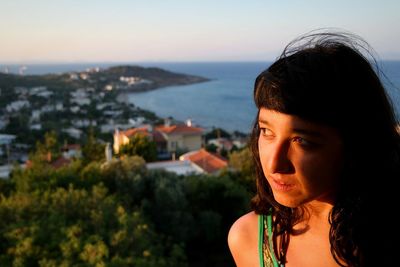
(144, 61)
(129, 62)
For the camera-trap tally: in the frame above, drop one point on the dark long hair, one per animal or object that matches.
(333, 79)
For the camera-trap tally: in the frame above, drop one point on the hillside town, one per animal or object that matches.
(75, 103)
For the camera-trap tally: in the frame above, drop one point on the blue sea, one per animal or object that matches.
(225, 101)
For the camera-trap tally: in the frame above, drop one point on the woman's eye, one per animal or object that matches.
(302, 141)
(265, 131)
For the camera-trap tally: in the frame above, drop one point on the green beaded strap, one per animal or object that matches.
(266, 224)
(270, 241)
(260, 239)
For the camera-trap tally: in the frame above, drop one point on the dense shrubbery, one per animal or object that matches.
(117, 214)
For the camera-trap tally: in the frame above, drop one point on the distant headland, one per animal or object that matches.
(123, 78)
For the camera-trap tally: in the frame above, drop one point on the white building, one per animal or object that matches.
(112, 113)
(81, 101)
(5, 170)
(73, 132)
(7, 139)
(40, 91)
(45, 94)
(179, 167)
(17, 105)
(59, 106)
(79, 93)
(83, 123)
(35, 116)
(21, 90)
(36, 126)
(47, 108)
(3, 123)
(136, 122)
(101, 106)
(75, 109)
(73, 76)
(72, 151)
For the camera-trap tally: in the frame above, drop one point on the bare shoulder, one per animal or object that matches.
(243, 240)
(243, 227)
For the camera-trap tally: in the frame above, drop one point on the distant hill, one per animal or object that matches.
(127, 78)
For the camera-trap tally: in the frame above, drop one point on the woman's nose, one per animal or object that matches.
(278, 159)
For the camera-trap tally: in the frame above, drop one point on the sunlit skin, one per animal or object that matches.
(300, 160)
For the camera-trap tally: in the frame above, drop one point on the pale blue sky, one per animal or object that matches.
(183, 30)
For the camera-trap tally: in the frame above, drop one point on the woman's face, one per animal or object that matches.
(301, 160)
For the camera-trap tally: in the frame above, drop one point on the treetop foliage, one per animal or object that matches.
(117, 213)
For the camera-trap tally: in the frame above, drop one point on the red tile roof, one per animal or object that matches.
(60, 162)
(71, 147)
(74, 146)
(180, 129)
(209, 162)
(160, 130)
(130, 132)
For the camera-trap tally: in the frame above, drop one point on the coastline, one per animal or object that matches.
(146, 87)
(73, 102)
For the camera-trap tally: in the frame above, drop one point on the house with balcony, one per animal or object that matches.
(169, 139)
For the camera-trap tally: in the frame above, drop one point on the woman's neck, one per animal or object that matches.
(315, 216)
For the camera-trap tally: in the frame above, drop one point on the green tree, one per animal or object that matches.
(47, 150)
(211, 148)
(215, 203)
(217, 133)
(72, 226)
(118, 213)
(242, 162)
(93, 150)
(140, 145)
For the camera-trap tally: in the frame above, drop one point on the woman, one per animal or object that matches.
(326, 152)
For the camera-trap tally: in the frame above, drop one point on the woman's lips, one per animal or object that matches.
(281, 186)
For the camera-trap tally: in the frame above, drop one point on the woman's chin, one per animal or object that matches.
(287, 201)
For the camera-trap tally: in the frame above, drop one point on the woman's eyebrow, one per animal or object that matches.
(298, 130)
(308, 132)
(263, 121)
